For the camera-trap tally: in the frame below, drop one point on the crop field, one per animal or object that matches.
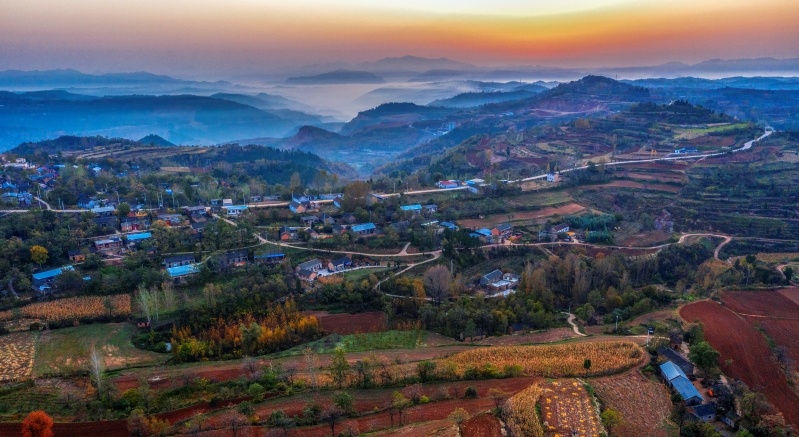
(776, 258)
(483, 425)
(16, 356)
(568, 410)
(343, 324)
(64, 351)
(524, 419)
(745, 354)
(644, 405)
(75, 308)
(561, 360)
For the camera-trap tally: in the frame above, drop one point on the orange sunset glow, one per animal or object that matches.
(251, 35)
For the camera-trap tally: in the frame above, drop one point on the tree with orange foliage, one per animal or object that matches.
(37, 424)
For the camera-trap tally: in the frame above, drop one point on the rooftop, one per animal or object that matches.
(140, 236)
(52, 273)
(363, 227)
(179, 271)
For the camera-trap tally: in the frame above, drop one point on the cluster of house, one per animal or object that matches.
(181, 265)
(677, 372)
(554, 232)
(494, 235)
(310, 270)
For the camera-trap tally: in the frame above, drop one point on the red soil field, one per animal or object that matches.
(752, 362)
(484, 425)
(344, 324)
(791, 293)
(771, 304)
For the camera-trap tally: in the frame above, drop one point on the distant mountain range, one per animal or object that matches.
(336, 77)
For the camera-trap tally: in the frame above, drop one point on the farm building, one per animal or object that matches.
(415, 208)
(560, 228)
(502, 230)
(307, 275)
(313, 265)
(138, 238)
(235, 211)
(183, 270)
(680, 383)
(670, 355)
(364, 229)
(704, 412)
(269, 258)
(76, 255)
(447, 184)
(449, 225)
(108, 243)
(297, 208)
(43, 279)
(104, 211)
(234, 258)
(339, 264)
(178, 260)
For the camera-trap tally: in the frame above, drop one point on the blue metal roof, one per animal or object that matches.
(685, 388)
(269, 255)
(52, 273)
(363, 227)
(179, 271)
(415, 207)
(449, 225)
(140, 236)
(484, 232)
(239, 207)
(671, 371)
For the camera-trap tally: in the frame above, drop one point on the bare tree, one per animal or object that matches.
(168, 291)
(250, 366)
(97, 370)
(236, 422)
(310, 361)
(332, 416)
(437, 281)
(145, 303)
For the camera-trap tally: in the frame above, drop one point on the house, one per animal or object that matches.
(42, 280)
(256, 199)
(553, 177)
(503, 230)
(337, 201)
(338, 229)
(10, 198)
(400, 226)
(269, 258)
(677, 380)
(306, 275)
(348, 218)
(560, 228)
(670, 355)
(103, 211)
(339, 264)
(431, 208)
(198, 228)
(731, 419)
(309, 220)
(182, 270)
(364, 229)
(234, 258)
(171, 219)
(287, 234)
(297, 208)
(313, 265)
(448, 184)
(373, 198)
(414, 209)
(76, 255)
(326, 219)
(135, 223)
(235, 211)
(216, 205)
(138, 238)
(107, 223)
(449, 225)
(178, 260)
(195, 211)
(704, 412)
(491, 278)
(108, 243)
(511, 278)
(227, 202)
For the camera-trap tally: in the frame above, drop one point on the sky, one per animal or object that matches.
(217, 39)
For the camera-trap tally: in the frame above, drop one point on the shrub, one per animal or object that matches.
(471, 393)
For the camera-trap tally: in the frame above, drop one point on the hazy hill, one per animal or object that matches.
(184, 119)
(761, 83)
(393, 114)
(155, 140)
(68, 78)
(467, 100)
(336, 77)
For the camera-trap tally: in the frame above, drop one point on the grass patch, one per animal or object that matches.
(357, 275)
(66, 351)
(361, 342)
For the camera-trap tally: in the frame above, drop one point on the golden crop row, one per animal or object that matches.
(563, 360)
(16, 356)
(567, 408)
(523, 419)
(83, 307)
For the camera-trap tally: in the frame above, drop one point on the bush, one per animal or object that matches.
(471, 393)
(424, 400)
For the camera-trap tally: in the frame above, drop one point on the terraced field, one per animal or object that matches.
(16, 356)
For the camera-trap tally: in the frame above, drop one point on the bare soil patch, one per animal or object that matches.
(645, 405)
(567, 209)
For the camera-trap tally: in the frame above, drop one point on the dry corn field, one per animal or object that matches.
(552, 361)
(523, 419)
(16, 356)
(75, 308)
(567, 410)
(644, 405)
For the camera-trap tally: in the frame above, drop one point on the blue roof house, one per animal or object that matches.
(680, 383)
(364, 229)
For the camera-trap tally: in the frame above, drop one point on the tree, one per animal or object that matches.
(399, 403)
(97, 370)
(234, 421)
(459, 416)
(123, 210)
(332, 416)
(37, 424)
(610, 418)
(355, 194)
(437, 281)
(344, 401)
(279, 419)
(425, 370)
(339, 367)
(39, 255)
(499, 396)
(704, 356)
(788, 272)
(587, 366)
